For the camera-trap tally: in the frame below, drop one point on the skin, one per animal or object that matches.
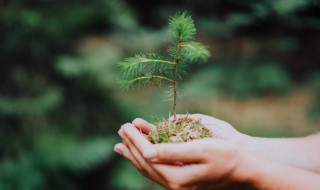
(230, 161)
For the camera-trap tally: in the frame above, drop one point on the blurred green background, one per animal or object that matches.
(61, 106)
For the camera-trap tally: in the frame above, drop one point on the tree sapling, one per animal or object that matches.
(150, 68)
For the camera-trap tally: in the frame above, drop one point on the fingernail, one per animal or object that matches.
(150, 153)
(117, 150)
(134, 120)
(120, 132)
(123, 131)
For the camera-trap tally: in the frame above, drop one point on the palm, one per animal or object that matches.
(220, 128)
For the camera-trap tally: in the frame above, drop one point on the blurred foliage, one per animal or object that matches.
(241, 80)
(314, 109)
(279, 31)
(51, 156)
(134, 182)
(60, 107)
(20, 174)
(93, 66)
(56, 129)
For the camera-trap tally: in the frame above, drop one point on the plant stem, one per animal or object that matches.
(175, 71)
(175, 92)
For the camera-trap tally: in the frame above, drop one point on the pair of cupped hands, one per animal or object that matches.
(198, 164)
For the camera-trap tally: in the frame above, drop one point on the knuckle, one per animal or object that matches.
(143, 172)
(140, 168)
(143, 166)
(182, 182)
(136, 166)
(174, 186)
(161, 151)
(165, 156)
(178, 182)
(231, 148)
(206, 149)
(234, 151)
(226, 124)
(126, 126)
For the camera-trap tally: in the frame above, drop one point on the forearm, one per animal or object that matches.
(267, 175)
(303, 153)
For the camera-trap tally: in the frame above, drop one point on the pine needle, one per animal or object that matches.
(181, 27)
(194, 52)
(143, 69)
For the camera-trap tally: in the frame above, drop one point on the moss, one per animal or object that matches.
(182, 129)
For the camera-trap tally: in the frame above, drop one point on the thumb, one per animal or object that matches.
(189, 152)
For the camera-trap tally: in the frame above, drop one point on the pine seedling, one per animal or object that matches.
(155, 69)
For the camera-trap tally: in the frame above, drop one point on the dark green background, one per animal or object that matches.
(61, 106)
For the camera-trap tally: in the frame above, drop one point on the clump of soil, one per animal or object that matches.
(180, 130)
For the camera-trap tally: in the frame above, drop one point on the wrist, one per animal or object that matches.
(253, 145)
(247, 143)
(260, 173)
(265, 148)
(247, 170)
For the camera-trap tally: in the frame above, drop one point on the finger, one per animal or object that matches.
(143, 125)
(136, 155)
(183, 176)
(189, 152)
(125, 152)
(120, 132)
(138, 140)
(218, 127)
(145, 168)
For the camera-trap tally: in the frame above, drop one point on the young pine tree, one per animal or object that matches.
(150, 68)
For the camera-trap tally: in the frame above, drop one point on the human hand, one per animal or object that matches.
(209, 164)
(213, 162)
(220, 129)
(133, 154)
(249, 153)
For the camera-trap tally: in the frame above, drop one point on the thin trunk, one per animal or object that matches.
(175, 73)
(175, 92)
